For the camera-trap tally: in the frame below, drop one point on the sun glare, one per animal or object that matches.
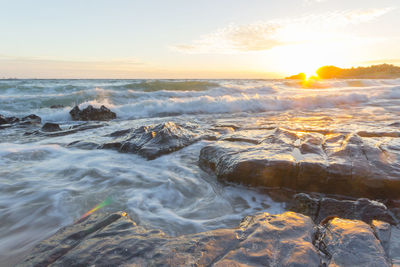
(307, 58)
(310, 74)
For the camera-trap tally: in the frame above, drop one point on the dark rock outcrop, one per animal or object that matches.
(31, 119)
(153, 141)
(8, 120)
(92, 114)
(83, 145)
(51, 127)
(344, 164)
(320, 208)
(57, 106)
(75, 129)
(288, 239)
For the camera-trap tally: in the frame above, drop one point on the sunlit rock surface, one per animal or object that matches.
(281, 240)
(288, 239)
(351, 243)
(362, 209)
(335, 163)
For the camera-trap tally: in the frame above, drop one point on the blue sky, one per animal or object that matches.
(193, 39)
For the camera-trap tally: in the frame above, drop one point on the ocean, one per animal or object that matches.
(47, 183)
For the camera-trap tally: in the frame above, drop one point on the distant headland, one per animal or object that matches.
(382, 71)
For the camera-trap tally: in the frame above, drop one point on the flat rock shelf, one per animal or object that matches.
(288, 239)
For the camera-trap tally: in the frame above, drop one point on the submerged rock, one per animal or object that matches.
(153, 141)
(344, 164)
(92, 114)
(288, 239)
(51, 127)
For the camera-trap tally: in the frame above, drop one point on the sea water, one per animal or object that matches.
(45, 184)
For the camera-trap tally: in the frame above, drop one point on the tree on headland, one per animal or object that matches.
(300, 76)
(382, 71)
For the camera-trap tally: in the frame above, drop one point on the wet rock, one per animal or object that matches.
(92, 114)
(260, 240)
(51, 127)
(31, 119)
(288, 239)
(83, 145)
(305, 204)
(344, 164)
(362, 209)
(274, 240)
(382, 231)
(75, 129)
(351, 243)
(8, 120)
(153, 141)
(3, 120)
(394, 246)
(57, 106)
(54, 131)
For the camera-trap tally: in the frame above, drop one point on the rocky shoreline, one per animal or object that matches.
(288, 239)
(339, 230)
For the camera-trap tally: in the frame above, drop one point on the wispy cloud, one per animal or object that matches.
(252, 37)
(262, 36)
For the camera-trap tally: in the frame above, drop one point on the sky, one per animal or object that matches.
(193, 39)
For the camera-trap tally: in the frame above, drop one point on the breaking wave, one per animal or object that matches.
(152, 98)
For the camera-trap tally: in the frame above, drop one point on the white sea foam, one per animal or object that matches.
(227, 97)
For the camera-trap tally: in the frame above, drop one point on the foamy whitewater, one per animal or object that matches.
(44, 184)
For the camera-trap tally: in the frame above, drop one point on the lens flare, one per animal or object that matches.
(106, 202)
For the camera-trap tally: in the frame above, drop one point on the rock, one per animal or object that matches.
(75, 129)
(31, 119)
(274, 240)
(362, 209)
(83, 145)
(8, 120)
(305, 204)
(3, 120)
(350, 243)
(260, 240)
(153, 141)
(382, 231)
(57, 106)
(92, 114)
(344, 164)
(51, 127)
(394, 246)
(288, 239)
